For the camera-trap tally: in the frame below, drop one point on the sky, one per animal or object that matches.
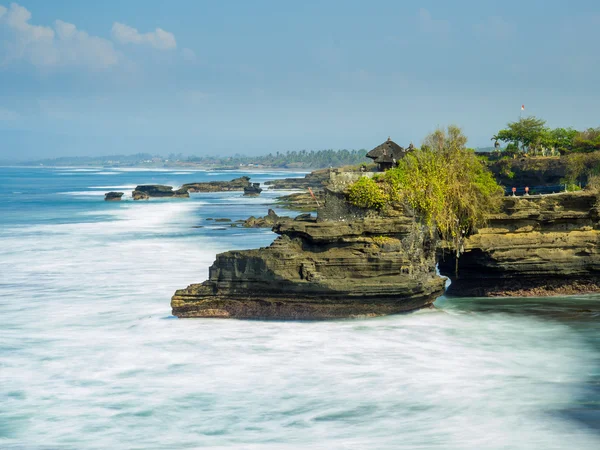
(215, 78)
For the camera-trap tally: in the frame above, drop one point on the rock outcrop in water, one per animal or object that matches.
(321, 270)
(315, 180)
(253, 190)
(144, 192)
(301, 201)
(237, 184)
(113, 196)
(538, 245)
(271, 219)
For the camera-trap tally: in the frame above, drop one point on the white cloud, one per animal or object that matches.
(159, 39)
(497, 28)
(47, 47)
(431, 25)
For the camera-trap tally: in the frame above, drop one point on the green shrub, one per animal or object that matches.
(366, 193)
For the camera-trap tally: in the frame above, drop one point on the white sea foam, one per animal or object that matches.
(107, 173)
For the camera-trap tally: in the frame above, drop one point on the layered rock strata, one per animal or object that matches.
(321, 270)
(538, 245)
(237, 184)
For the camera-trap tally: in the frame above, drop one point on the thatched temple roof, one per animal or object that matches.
(388, 152)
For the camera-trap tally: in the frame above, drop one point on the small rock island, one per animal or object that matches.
(113, 196)
(321, 269)
(144, 192)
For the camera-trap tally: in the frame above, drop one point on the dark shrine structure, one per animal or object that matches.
(388, 154)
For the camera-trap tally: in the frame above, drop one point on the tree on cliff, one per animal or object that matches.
(447, 186)
(527, 131)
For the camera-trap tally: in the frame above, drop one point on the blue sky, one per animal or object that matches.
(199, 77)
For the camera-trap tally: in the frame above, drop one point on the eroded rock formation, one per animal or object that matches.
(321, 270)
(144, 192)
(538, 245)
(237, 184)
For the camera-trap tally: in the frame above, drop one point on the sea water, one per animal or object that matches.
(91, 358)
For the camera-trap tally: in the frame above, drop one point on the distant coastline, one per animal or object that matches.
(292, 160)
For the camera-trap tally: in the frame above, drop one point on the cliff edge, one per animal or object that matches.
(537, 245)
(321, 270)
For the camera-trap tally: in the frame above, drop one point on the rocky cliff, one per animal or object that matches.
(538, 245)
(521, 172)
(321, 270)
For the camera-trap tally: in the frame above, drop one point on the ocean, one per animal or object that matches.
(91, 358)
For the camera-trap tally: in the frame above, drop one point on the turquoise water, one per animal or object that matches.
(90, 357)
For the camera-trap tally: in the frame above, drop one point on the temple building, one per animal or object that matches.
(388, 154)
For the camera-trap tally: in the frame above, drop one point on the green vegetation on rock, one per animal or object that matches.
(367, 193)
(444, 183)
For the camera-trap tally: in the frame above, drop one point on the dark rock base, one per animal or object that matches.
(523, 287)
(296, 309)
